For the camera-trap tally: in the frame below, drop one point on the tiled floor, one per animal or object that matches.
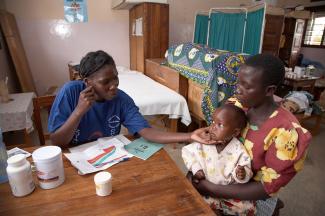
(304, 195)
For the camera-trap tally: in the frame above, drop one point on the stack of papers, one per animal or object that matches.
(103, 154)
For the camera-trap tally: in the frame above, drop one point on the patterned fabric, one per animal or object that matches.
(232, 206)
(295, 95)
(215, 70)
(266, 207)
(220, 168)
(278, 149)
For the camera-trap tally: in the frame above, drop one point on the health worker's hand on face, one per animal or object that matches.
(202, 135)
(86, 100)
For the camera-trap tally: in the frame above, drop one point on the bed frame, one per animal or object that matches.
(174, 80)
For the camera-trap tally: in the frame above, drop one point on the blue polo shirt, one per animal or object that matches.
(102, 119)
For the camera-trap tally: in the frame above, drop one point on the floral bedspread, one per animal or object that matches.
(215, 70)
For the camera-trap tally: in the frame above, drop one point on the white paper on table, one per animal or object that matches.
(17, 150)
(98, 155)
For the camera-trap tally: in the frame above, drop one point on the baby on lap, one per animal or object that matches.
(224, 162)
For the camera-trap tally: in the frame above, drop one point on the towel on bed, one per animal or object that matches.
(215, 70)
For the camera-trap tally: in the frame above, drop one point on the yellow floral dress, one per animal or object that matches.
(277, 148)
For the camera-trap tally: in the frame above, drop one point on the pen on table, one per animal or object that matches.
(124, 159)
(121, 159)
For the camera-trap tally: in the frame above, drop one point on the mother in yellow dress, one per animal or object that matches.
(274, 139)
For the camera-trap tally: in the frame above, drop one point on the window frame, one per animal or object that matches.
(321, 46)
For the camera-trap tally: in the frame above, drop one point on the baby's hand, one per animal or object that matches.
(240, 172)
(199, 175)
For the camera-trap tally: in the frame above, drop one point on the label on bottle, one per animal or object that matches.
(21, 183)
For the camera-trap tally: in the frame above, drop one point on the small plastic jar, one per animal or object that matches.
(20, 175)
(103, 183)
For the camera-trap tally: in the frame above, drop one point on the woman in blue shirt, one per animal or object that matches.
(94, 107)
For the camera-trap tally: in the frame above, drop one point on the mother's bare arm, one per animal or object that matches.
(247, 191)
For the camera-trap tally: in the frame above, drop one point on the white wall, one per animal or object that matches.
(182, 13)
(48, 54)
(314, 54)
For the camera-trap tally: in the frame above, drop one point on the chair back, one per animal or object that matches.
(42, 103)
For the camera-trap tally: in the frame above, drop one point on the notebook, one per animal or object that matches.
(142, 148)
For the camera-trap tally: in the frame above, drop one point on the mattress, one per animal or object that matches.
(151, 97)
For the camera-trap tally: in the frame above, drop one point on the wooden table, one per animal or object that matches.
(307, 82)
(152, 187)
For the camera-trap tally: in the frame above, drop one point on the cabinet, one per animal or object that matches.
(293, 34)
(148, 30)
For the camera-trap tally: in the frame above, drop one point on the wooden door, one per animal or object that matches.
(288, 33)
(272, 34)
(16, 50)
(296, 43)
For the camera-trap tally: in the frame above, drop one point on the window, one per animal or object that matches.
(314, 34)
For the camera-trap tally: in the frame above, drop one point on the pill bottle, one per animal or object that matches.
(20, 175)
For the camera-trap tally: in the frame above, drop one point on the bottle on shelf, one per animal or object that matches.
(3, 160)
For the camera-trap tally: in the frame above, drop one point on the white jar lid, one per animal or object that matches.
(16, 160)
(46, 153)
(102, 177)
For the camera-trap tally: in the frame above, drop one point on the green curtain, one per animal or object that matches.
(226, 31)
(253, 31)
(201, 29)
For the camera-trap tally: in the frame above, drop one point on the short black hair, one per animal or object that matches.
(271, 67)
(238, 114)
(93, 62)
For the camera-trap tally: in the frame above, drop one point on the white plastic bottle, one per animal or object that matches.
(20, 175)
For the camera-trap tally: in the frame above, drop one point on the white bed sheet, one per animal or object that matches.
(151, 97)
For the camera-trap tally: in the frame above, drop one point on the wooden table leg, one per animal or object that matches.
(27, 138)
(173, 125)
(173, 128)
(316, 129)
